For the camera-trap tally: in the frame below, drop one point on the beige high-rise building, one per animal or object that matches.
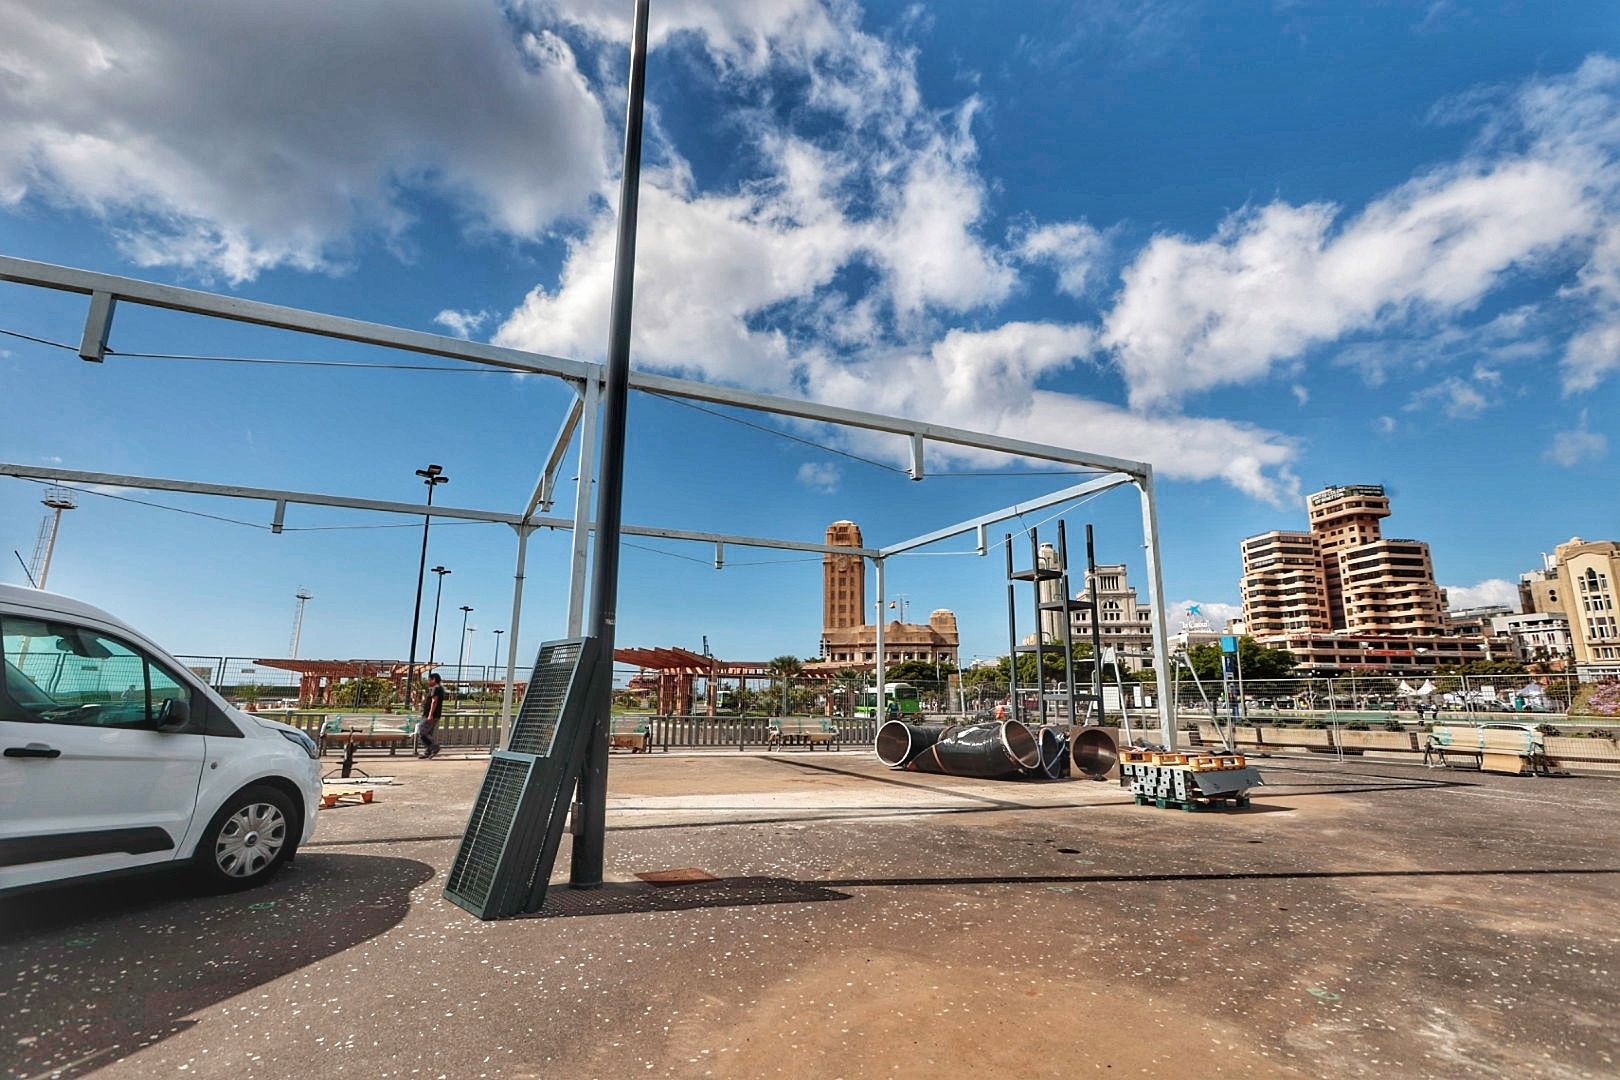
(1589, 579)
(843, 579)
(1283, 590)
(1342, 576)
(1388, 587)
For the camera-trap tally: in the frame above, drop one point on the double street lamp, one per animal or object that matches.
(432, 476)
(461, 654)
(438, 594)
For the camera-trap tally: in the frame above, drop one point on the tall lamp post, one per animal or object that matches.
(461, 653)
(497, 667)
(438, 594)
(432, 476)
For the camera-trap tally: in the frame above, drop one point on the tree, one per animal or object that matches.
(1259, 664)
(918, 671)
(783, 669)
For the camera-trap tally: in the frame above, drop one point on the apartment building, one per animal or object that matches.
(1283, 587)
(1535, 636)
(1588, 576)
(1301, 590)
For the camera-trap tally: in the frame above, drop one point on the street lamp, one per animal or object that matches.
(497, 632)
(432, 476)
(461, 654)
(438, 594)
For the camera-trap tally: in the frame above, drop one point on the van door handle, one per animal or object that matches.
(33, 750)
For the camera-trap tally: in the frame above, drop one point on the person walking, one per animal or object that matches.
(432, 709)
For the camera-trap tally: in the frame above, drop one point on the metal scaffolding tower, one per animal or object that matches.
(56, 500)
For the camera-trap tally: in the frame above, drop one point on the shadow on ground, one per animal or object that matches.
(90, 973)
(625, 898)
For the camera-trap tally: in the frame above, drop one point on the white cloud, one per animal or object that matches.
(894, 196)
(820, 476)
(1593, 353)
(1214, 612)
(1074, 249)
(991, 380)
(1457, 397)
(1488, 593)
(1278, 279)
(1301, 394)
(1571, 448)
(462, 323)
(229, 138)
(1385, 425)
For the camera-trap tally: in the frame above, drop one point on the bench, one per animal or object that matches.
(630, 733)
(1512, 750)
(812, 731)
(366, 732)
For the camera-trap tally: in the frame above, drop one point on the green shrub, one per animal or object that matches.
(1394, 725)
(1358, 725)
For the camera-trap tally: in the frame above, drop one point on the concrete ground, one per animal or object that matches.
(1365, 919)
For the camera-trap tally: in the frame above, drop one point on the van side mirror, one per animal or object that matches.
(173, 714)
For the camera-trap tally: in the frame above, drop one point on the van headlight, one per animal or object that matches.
(301, 740)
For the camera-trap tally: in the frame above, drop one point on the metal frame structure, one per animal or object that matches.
(107, 291)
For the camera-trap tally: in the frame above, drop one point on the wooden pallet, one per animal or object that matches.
(330, 799)
(1211, 802)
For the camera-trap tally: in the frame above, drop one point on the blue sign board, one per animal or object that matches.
(1229, 643)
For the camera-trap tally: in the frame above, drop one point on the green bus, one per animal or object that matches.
(902, 699)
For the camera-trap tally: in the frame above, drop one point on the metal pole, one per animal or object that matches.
(438, 594)
(585, 870)
(580, 542)
(1012, 632)
(880, 712)
(1096, 626)
(496, 666)
(1068, 627)
(461, 653)
(432, 479)
(1161, 634)
(1040, 638)
(1237, 658)
(523, 532)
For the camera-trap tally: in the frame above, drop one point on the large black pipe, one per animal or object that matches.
(988, 750)
(1054, 754)
(1095, 751)
(899, 742)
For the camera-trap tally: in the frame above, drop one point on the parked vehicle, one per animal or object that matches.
(114, 757)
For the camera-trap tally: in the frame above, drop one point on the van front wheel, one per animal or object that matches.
(250, 838)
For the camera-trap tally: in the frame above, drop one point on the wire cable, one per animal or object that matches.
(39, 340)
(779, 433)
(237, 521)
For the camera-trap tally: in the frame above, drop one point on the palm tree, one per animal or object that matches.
(782, 670)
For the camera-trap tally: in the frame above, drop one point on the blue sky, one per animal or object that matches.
(1265, 247)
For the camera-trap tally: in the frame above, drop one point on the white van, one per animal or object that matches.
(115, 757)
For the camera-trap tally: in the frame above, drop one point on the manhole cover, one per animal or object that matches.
(685, 876)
